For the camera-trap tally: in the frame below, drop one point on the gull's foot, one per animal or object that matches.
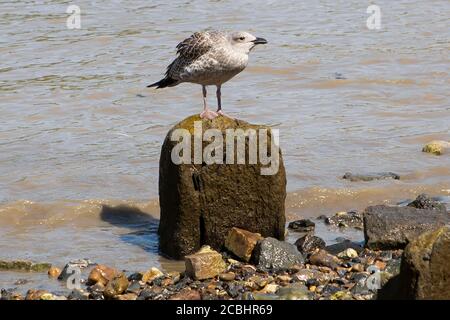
(220, 112)
(208, 114)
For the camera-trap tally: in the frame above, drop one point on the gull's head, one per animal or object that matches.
(244, 42)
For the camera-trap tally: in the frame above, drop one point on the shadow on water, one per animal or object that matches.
(143, 228)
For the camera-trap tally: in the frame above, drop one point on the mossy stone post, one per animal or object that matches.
(201, 202)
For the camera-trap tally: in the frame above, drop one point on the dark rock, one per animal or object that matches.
(303, 225)
(330, 289)
(425, 202)
(351, 219)
(423, 273)
(370, 176)
(309, 243)
(78, 294)
(394, 227)
(271, 254)
(134, 287)
(341, 246)
(200, 203)
(10, 295)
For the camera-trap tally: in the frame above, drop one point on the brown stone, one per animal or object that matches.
(54, 272)
(35, 294)
(186, 294)
(102, 274)
(242, 242)
(324, 259)
(116, 286)
(200, 203)
(151, 275)
(424, 272)
(204, 264)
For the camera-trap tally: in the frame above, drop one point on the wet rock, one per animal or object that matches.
(437, 147)
(306, 275)
(21, 282)
(54, 272)
(344, 245)
(204, 264)
(35, 294)
(394, 227)
(242, 242)
(102, 274)
(200, 203)
(24, 265)
(186, 294)
(354, 177)
(423, 273)
(344, 219)
(151, 275)
(134, 287)
(423, 201)
(309, 243)
(228, 276)
(48, 296)
(323, 258)
(271, 254)
(358, 267)
(303, 225)
(348, 254)
(117, 286)
(127, 296)
(270, 288)
(295, 291)
(78, 294)
(341, 295)
(10, 295)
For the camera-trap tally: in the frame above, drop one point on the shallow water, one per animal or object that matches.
(79, 129)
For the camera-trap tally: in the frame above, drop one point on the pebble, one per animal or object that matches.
(54, 272)
(227, 276)
(348, 254)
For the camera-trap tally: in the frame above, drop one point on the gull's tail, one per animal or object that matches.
(166, 82)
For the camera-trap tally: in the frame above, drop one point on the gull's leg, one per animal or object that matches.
(206, 114)
(219, 101)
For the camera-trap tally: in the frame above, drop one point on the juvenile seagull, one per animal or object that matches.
(209, 58)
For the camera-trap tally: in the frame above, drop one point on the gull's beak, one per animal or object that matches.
(259, 41)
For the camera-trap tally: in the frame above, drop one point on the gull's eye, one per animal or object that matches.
(242, 38)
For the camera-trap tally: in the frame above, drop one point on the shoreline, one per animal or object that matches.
(337, 273)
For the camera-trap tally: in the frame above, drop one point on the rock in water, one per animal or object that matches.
(303, 225)
(390, 228)
(370, 176)
(437, 147)
(424, 273)
(201, 202)
(242, 242)
(204, 264)
(423, 201)
(271, 254)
